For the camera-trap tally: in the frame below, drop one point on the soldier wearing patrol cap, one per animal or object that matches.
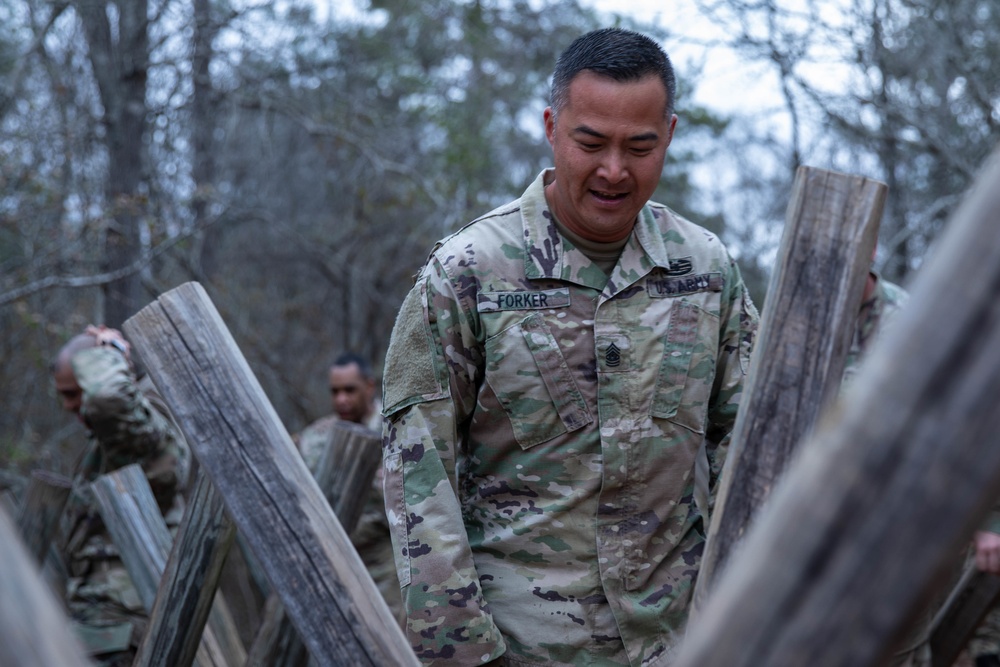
(126, 423)
(559, 392)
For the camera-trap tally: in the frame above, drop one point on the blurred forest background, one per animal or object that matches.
(300, 163)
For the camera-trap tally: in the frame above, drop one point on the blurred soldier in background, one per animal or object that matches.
(352, 392)
(126, 423)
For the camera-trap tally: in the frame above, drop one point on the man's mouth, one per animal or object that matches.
(609, 196)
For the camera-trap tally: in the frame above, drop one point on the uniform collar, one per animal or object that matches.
(549, 255)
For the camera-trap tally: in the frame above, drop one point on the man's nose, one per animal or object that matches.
(614, 167)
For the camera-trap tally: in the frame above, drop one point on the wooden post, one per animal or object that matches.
(344, 475)
(43, 505)
(267, 489)
(973, 597)
(130, 514)
(133, 520)
(33, 628)
(345, 470)
(189, 583)
(799, 356)
(885, 495)
(8, 503)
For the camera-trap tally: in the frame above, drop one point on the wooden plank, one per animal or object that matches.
(33, 628)
(799, 356)
(133, 520)
(344, 475)
(136, 527)
(44, 502)
(189, 584)
(8, 502)
(884, 496)
(953, 626)
(345, 470)
(268, 491)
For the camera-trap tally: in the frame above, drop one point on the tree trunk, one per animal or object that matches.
(118, 45)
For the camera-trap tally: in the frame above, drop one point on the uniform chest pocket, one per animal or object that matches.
(687, 371)
(529, 376)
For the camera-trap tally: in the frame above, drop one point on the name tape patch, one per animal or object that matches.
(523, 300)
(703, 282)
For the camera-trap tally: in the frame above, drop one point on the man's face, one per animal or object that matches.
(608, 145)
(352, 394)
(68, 389)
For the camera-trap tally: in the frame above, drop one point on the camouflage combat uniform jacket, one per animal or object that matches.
(886, 301)
(127, 425)
(543, 424)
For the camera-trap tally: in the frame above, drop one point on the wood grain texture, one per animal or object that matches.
(799, 356)
(886, 493)
(344, 475)
(38, 518)
(34, 631)
(137, 528)
(973, 597)
(188, 586)
(267, 489)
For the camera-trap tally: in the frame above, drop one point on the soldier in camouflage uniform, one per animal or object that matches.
(879, 304)
(127, 423)
(352, 392)
(557, 374)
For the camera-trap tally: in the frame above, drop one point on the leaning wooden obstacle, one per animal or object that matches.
(887, 491)
(805, 333)
(266, 488)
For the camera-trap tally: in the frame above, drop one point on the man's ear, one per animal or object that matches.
(670, 131)
(550, 123)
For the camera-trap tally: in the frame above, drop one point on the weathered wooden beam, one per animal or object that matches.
(133, 520)
(884, 496)
(268, 491)
(346, 468)
(344, 475)
(805, 334)
(33, 628)
(972, 598)
(8, 502)
(38, 518)
(130, 514)
(189, 583)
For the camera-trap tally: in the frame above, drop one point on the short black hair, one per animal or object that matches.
(348, 358)
(623, 55)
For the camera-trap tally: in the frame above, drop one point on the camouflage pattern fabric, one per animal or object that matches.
(124, 428)
(543, 422)
(886, 301)
(370, 536)
(986, 640)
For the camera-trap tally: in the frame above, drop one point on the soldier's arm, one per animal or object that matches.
(430, 387)
(738, 327)
(122, 420)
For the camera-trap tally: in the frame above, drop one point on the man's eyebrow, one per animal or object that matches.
(589, 131)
